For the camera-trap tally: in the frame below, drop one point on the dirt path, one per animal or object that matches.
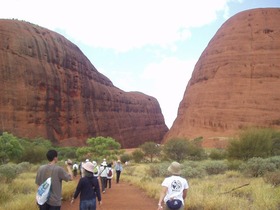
(122, 196)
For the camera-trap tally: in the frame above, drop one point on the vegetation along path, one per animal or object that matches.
(122, 196)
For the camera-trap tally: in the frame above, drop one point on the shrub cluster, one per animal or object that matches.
(256, 167)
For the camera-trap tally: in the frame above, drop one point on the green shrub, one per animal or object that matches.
(257, 167)
(275, 160)
(215, 167)
(217, 154)
(193, 172)
(125, 158)
(234, 164)
(254, 143)
(138, 155)
(158, 170)
(8, 172)
(182, 149)
(23, 167)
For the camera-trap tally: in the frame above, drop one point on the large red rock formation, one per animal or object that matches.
(236, 81)
(49, 89)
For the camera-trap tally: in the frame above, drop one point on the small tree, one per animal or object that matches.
(104, 147)
(10, 148)
(254, 143)
(137, 155)
(150, 149)
(176, 149)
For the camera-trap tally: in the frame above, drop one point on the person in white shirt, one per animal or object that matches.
(174, 189)
(103, 176)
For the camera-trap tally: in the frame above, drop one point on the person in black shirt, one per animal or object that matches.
(88, 188)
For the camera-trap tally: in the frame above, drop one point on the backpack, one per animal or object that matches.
(43, 192)
(110, 173)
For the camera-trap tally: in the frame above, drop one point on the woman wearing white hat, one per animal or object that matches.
(174, 189)
(88, 188)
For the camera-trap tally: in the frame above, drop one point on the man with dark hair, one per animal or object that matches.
(57, 174)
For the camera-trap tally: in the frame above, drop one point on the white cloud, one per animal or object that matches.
(121, 25)
(169, 80)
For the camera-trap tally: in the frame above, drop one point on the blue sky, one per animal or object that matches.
(149, 46)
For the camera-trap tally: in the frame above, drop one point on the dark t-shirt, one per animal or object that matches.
(89, 188)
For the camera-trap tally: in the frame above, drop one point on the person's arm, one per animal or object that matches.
(185, 193)
(161, 197)
(97, 191)
(69, 170)
(77, 191)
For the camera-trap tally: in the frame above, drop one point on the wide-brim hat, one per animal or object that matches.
(104, 164)
(88, 166)
(175, 168)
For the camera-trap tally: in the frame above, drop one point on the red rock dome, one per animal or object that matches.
(236, 81)
(49, 89)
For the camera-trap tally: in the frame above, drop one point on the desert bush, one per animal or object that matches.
(182, 149)
(215, 167)
(272, 178)
(275, 160)
(256, 167)
(125, 158)
(150, 150)
(158, 170)
(8, 172)
(193, 172)
(23, 167)
(234, 164)
(138, 155)
(217, 154)
(254, 143)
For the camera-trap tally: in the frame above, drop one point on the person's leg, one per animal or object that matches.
(109, 182)
(92, 204)
(53, 207)
(118, 176)
(83, 205)
(103, 182)
(43, 207)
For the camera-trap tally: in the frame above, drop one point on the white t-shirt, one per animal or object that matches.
(175, 187)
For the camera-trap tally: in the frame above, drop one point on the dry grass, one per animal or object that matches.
(229, 191)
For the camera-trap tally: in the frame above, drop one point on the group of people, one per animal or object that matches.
(172, 195)
(88, 186)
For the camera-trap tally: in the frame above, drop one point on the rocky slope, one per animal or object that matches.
(49, 89)
(236, 81)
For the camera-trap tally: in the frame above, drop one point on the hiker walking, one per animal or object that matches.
(103, 176)
(88, 189)
(174, 189)
(57, 174)
(109, 175)
(118, 169)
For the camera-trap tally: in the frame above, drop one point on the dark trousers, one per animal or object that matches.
(109, 182)
(48, 207)
(118, 176)
(103, 183)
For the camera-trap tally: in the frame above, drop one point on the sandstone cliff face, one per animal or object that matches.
(236, 81)
(49, 89)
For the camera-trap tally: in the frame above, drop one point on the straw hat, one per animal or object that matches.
(88, 166)
(175, 168)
